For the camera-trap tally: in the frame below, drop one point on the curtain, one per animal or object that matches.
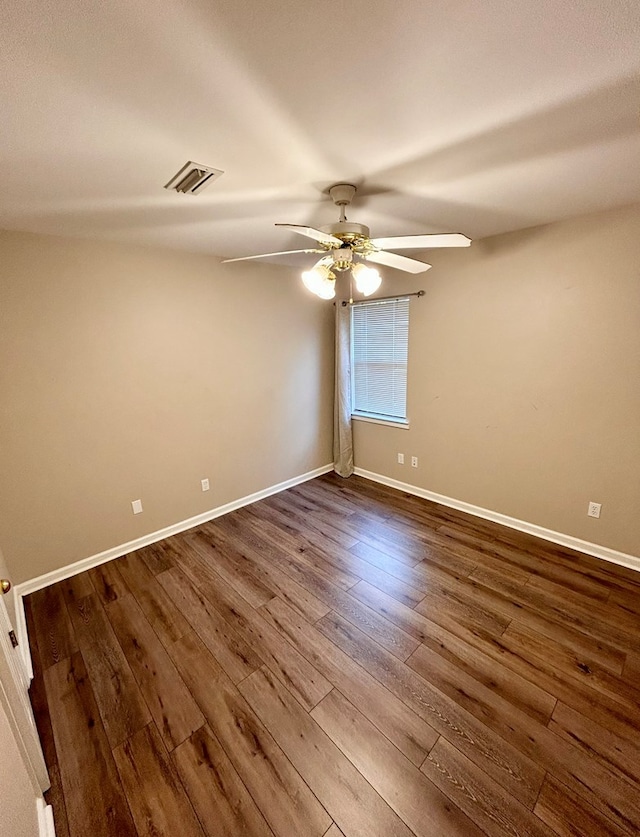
(342, 435)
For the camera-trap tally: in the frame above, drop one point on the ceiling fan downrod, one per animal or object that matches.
(342, 195)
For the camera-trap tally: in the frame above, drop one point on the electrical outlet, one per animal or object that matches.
(204, 484)
(136, 505)
(401, 459)
(414, 461)
(593, 510)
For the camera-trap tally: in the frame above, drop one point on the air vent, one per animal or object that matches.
(193, 179)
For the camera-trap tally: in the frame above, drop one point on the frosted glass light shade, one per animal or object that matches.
(320, 281)
(367, 279)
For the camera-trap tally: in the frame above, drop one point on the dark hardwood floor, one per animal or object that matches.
(342, 659)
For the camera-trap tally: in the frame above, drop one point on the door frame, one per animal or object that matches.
(16, 706)
(14, 696)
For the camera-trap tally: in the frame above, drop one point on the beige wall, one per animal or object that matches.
(524, 380)
(132, 373)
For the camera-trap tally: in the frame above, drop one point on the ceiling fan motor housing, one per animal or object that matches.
(347, 231)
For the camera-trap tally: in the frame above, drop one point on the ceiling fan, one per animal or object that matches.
(345, 243)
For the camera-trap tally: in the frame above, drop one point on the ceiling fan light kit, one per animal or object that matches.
(345, 241)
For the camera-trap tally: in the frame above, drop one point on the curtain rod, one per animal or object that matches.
(381, 299)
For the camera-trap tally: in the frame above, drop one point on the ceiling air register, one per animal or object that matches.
(193, 178)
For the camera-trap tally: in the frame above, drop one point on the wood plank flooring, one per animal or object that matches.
(343, 660)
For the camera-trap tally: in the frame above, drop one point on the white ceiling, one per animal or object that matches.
(478, 117)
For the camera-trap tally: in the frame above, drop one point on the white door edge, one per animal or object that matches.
(46, 827)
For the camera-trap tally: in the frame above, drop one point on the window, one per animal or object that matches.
(379, 349)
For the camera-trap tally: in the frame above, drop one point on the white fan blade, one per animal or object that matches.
(311, 232)
(421, 242)
(266, 255)
(399, 262)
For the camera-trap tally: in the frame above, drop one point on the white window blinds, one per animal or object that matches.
(379, 350)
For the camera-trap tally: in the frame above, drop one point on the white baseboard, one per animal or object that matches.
(46, 827)
(632, 562)
(27, 587)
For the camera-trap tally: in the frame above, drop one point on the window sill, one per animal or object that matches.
(402, 425)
